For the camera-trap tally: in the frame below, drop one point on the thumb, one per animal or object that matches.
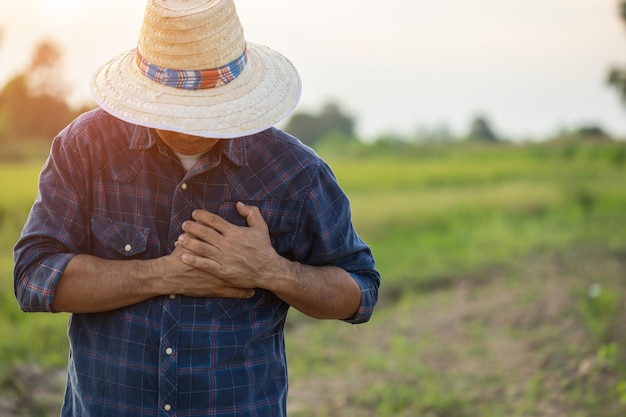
(252, 215)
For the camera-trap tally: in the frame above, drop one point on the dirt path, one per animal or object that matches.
(502, 343)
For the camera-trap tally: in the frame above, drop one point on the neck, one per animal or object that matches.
(188, 161)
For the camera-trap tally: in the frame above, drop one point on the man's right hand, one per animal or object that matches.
(184, 279)
(92, 285)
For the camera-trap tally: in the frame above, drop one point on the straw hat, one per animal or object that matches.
(193, 72)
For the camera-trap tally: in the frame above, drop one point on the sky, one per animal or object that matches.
(532, 67)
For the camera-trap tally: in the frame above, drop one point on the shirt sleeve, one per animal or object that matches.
(326, 236)
(54, 231)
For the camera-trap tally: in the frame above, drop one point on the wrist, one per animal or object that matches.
(280, 276)
(153, 276)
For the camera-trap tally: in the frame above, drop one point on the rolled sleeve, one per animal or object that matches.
(54, 232)
(327, 237)
(34, 287)
(369, 297)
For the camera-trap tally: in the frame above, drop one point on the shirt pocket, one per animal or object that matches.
(231, 308)
(118, 240)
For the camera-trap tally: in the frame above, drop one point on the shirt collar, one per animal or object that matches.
(234, 149)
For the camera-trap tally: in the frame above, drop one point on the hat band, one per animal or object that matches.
(193, 79)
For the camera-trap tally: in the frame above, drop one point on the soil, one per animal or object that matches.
(509, 340)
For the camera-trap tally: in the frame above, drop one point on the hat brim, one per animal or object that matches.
(265, 93)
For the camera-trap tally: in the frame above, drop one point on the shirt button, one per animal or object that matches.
(184, 186)
(169, 351)
(173, 296)
(128, 248)
(167, 407)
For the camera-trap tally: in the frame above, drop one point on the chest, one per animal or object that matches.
(140, 214)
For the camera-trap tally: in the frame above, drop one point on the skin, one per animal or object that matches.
(214, 258)
(186, 144)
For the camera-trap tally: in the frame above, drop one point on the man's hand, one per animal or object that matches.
(242, 258)
(215, 258)
(238, 256)
(193, 282)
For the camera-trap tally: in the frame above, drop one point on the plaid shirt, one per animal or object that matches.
(114, 190)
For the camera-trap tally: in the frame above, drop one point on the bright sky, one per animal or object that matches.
(532, 66)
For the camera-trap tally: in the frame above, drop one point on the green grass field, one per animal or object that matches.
(504, 286)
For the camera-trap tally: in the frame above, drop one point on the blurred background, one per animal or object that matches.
(482, 146)
(534, 67)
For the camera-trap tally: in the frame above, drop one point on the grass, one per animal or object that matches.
(426, 211)
(502, 285)
(37, 338)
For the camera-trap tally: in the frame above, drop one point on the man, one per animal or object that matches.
(177, 226)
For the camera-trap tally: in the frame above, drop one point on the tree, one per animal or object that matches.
(616, 77)
(310, 128)
(14, 98)
(592, 132)
(44, 72)
(480, 130)
(33, 103)
(304, 126)
(332, 119)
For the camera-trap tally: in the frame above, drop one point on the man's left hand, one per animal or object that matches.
(242, 256)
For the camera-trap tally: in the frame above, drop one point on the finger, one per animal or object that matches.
(200, 262)
(201, 231)
(208, 265)
(252, 215)
(198, 247)
(212, 220)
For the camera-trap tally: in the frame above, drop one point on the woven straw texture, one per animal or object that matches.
(198, 35)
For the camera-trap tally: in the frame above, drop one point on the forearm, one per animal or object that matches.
(90, 284)
(322, 292)
(245, 258)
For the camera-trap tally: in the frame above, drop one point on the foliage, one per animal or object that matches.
(44, 71)
(616, 76)
(592, 132)
(481, 130)
(312, 128)
(33, 103)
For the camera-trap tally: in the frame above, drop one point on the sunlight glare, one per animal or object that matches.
(59, 10)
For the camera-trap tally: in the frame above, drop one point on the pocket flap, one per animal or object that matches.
(124, 238)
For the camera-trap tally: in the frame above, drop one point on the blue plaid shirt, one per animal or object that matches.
(114, 190)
